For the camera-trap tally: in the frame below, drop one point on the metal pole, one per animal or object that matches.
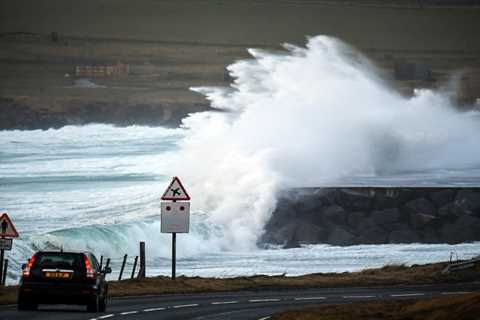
(141, 272)
(174, 254)
(2, 253)
(5, 268)
(101, 262)
(108, 262)
(123, 267)
(134, 267)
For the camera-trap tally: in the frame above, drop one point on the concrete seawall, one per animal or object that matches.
(349, 216)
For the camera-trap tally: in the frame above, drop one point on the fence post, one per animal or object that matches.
(134, 267)
(5, 268)
(123, 267)
(141, 271)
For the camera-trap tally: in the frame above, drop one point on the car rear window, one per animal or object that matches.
(60, 260)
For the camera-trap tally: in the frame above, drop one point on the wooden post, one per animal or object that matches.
(174, 255)
(101, 262)
(123, 267)
(142, 269)
(134, 267)
(4, 276)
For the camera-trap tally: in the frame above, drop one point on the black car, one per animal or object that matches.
(53, 277)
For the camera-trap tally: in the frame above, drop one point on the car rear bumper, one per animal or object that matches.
(57, 293)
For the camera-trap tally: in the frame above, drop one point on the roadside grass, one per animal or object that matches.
(387, 275)
(465, 307)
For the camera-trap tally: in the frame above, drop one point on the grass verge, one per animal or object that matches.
(465, 307)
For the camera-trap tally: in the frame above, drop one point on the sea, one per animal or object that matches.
(314, 116)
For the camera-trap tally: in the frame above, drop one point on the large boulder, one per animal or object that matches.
(387, 216)
(430, 235)
(335, 214)
(295, 233)
(280, 235)
(447, 211)
(307, 233)
(395, 226)
(467, 202)
(403, 236)
(355, 218)
(442, 197)
(391, 198)
(465, 229)
(357, 200)
(420, 205)
(371, 235)
(421, 220)
(340, 237)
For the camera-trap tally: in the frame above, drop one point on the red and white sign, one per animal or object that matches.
(7, 229)
(175, 217)
(176, 191)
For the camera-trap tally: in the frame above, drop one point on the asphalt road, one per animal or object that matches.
(234, 305)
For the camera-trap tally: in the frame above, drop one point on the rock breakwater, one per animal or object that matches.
(351, 216)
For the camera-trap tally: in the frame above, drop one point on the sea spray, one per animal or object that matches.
(309, 117)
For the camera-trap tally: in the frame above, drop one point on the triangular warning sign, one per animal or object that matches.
(175, 191)
(7, 229)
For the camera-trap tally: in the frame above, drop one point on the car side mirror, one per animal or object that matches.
(24, 266)
(107, 270)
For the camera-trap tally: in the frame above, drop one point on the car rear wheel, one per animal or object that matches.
(25, 306)
(93, 306)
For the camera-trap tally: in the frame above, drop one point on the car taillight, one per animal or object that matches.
(91, 274)
(28, 267)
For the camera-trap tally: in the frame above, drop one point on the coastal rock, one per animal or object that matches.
(467, 202)
(340, 237)
(371, 235)
(420, 220)
(355, 218)
(420, 215)
(386, 216)
(306, 233)
(442, 197)
(355, 200)
(403, 236)
(420, 205)
(430, 235)
(335, 214)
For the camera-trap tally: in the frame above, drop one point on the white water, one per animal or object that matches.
(312, 116)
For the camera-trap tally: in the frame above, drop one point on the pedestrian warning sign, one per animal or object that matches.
(7, 229)
(176, 191)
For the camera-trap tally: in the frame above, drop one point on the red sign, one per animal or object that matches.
(7, 229)
(176, 191)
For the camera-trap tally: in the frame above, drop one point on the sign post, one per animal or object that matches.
(175, 216)
(7, 230)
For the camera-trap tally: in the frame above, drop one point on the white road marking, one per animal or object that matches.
(264, 300)
(264, 318)
(128, 312)
(407, 294)
(224, 302)
(357, 297)
(186, 306)
(457, 292)
(310, 298)
(106, 316)
(153, 309)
